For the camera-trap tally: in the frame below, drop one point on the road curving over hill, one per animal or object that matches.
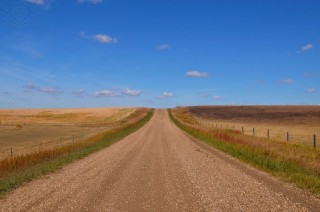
(158, 168)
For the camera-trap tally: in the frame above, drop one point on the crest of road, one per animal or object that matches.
(158, 168)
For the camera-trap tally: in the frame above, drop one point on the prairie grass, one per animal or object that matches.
(24, 130)
(301, 122)
(23, 168)
(291, 162)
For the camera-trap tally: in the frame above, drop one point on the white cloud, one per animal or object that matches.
(197, 74)
(166, 95)
(217, 97)
(312, 90)
(306, 48)
(129, 92)
(102, 38)
(163, 47)
(106, 93)
(78, 92)
(90, 1)
(40, 2)
(48, 90)
(286, 81)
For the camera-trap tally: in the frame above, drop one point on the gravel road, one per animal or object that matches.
(158, 168)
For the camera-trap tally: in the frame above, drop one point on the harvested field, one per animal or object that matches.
(24, 130)
(300, 122)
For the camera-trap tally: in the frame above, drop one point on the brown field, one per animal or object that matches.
(27, 129)
(302, 122)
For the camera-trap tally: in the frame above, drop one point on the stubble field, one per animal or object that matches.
(300, 122)
(24, 130)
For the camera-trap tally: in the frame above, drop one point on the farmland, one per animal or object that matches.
(301, 122)
(26, 129)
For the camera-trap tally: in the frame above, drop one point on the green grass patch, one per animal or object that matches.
(22, 174)
(286, 169)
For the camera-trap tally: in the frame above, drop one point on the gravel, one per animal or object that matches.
(158, 168)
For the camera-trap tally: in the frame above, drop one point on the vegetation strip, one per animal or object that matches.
(286, 169)
(14, 174)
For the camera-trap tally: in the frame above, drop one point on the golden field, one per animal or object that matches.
(301, 122)
(24, 130)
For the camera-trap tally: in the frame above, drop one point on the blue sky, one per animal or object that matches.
(162, 53)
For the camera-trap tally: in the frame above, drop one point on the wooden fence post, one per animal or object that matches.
(287, 136)
(11, 152)
(268, 133)
(314, 141)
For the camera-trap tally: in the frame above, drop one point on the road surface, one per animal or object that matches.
(158, 168)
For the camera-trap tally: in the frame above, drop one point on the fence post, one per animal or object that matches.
(268, 133)
(287, 136)
(314, 141)
(11, 152)
(253, 132)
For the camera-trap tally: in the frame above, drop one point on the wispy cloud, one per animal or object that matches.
(311, 90)
(90, 1)
(197, 74)
(104, 38)
(312, 75)
(163, 47)
(286, 81)
(261, 82)
(101, 38)
(217, 97)
(39, 2)
(306, 48)
(129, 92)
(166, 95)
(78, 92)
(48, 90)
(106, 93)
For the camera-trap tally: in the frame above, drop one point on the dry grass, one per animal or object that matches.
(76, 116)
(23, 130)
(302, 122)
(15, 171)
(295, 163)
(21, 161)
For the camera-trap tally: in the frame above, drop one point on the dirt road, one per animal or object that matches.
(158, 168)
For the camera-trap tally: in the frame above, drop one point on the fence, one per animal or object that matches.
(294, 135)
(19, 150)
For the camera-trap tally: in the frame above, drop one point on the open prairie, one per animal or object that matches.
(30, 128)
(301, 122)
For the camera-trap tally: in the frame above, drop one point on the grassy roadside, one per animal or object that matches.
(15, 172)
(291, 163)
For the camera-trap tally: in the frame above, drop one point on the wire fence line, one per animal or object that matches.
(259, 131)
(53, 143)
